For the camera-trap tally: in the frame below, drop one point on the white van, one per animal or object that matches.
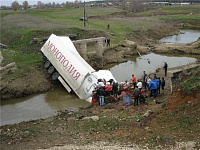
(65, 64)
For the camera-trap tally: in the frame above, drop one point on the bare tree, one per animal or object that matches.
(137, 6)
(40, 4)
(54, 4)
(15, 5)
(25, 5)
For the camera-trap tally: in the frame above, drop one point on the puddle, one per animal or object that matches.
(185, 36)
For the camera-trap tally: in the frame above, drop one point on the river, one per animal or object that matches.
(49, 103)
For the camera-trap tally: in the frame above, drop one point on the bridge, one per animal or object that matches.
(81, 46)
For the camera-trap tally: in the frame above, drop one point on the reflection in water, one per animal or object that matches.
(148, 63)
(60, 99)
(39, 106)
(185, 36)
(18, 110)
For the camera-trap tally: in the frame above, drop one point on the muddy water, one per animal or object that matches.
(185, 36)
(47, 104)
(39, 106)
(148, 63)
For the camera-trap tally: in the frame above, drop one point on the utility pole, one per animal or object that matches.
(84, 15)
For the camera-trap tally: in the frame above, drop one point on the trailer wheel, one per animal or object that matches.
(44, 58)
(51, 70)
(55, 75)
(47, 64)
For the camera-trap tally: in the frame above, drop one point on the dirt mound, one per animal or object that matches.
(151, 34)
(179, 99)
(35, 82)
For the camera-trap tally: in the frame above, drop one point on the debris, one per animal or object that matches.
(139, 54)
(94, 118)
(147, 113)
(3, 46)
(8, 68)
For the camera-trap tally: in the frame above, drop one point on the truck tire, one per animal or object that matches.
(55, 75)
(51, 70)
(44, 58)
(47, 64)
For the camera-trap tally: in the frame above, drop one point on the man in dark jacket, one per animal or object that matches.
(136, 95)
(115, 88)
(101, 94)
(165, 67)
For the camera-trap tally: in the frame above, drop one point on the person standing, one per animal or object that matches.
(153, 86)
(101, 84)
(136, 95)
(159, 85)
(148, 81)
(139, 85)
(108, 42)
(108, 26)
(134, 80)
(115, 88)
(165, 68)
(144, 80)
(101, 94)
(163, 84)
(155, 76)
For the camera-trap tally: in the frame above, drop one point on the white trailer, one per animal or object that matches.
(65, 64)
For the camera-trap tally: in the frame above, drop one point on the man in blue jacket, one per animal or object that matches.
(153, 86)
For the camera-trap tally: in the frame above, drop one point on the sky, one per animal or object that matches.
(31, 2)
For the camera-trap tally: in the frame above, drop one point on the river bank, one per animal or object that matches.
(156, 123)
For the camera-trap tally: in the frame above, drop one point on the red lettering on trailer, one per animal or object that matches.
(69, 67)
(58, 55)
(77, 76)
(65, 65)
(61, 58)
(72, 71)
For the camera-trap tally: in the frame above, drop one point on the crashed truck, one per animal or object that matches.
(65, 64)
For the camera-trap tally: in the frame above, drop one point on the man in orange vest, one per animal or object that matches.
(134, 80)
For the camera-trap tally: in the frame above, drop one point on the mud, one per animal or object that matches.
(33, 82)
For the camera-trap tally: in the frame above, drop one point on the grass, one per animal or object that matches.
(193, 83)
(179, 9)
(182, 118)
(183, 18)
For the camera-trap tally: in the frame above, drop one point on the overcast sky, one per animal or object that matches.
(31, 2)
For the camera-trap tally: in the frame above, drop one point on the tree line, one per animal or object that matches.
(129, 5)
(40, 5)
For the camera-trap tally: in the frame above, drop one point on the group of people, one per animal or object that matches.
(125, 90)
(107, 42)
